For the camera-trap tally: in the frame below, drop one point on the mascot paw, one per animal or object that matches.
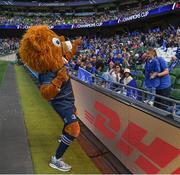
(78, 41)
(62, 74)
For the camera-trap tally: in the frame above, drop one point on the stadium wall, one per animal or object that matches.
(9, 57)
(143, 143)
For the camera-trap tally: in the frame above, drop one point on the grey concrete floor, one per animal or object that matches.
(15, 155)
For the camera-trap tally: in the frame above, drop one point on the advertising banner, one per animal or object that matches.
(143, 143)
(141, 15)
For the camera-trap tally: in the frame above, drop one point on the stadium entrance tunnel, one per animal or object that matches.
(141, 138)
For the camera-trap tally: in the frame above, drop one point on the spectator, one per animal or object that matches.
(107, 75)
(90, 68)
(119, 59)
(99, 68)
(117, 73)
(151, 82)
(164, 87)
(129, 81)
(174, 62)
(77, 64)
(8, 45)
(30, 18)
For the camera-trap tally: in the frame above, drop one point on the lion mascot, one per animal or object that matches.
(47, 53)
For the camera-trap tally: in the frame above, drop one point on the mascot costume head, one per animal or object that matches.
(43, 50)
(47, 53)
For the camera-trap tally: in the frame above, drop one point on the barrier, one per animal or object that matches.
(144, 144)
(8, 57)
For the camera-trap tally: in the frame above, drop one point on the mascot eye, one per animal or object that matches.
(56, 42)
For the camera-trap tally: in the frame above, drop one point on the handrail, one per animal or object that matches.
(126, 86)
(174, 103)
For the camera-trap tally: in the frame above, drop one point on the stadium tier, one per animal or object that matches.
(66, 19)
(125, 79)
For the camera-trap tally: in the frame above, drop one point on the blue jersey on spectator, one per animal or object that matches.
(118, 60)
(92, 70)
(151, 67)
(132, 92)
(165, 81)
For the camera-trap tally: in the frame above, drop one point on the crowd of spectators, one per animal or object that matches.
(126, 50)
(30, 18)
(8, 45)
(115, 59)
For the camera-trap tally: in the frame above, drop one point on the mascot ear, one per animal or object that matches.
(35, 41)
(62, 39)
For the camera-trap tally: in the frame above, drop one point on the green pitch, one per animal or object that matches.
(43, 129)
(3, 66)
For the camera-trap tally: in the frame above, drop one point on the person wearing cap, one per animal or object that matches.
(129, 81)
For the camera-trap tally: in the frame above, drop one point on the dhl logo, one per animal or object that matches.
(155, 156)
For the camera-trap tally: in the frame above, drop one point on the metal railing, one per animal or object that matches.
(170, 106)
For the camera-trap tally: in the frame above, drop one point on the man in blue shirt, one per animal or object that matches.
(151, 82)
(119, 59)
(164, 88)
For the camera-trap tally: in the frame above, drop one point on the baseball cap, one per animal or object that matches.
(127, 71)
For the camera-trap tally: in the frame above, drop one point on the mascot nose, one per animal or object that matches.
(69, 45)
(66, 47)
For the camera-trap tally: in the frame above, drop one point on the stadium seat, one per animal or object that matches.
(169, 63)
(140, 77)
(139, 84)
(178, 66)
(173, 80)
(139, 67)
(177, 84)
(139, 72)
(176, 73)
(175, 94)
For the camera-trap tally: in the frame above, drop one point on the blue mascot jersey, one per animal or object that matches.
(63, 103)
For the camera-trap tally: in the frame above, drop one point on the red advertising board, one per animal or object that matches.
(144, 144)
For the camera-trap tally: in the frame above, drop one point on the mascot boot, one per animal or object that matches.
(47, 53)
